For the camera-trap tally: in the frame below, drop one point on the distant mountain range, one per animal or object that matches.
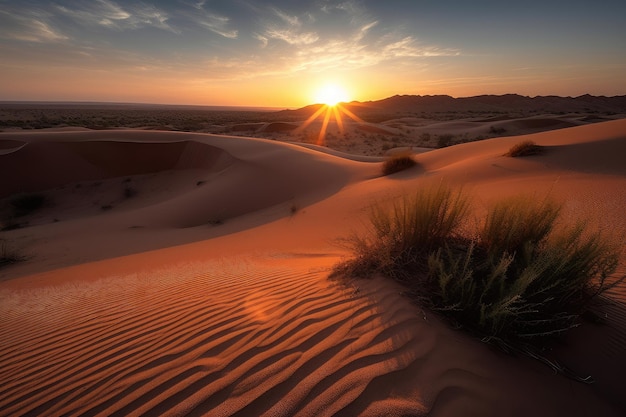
(405, 105)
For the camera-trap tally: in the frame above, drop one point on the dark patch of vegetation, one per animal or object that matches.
(201, 182)
(216, 222)
(425, 137)
(106, 207)
(12, 225)
(8, 255)
(176, 118)
(517, 281)
(25, 204)
(497, 130)
(525, 148)
(130, 192)
(445, 140)
(398, 162)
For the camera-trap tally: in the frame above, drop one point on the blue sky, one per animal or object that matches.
(277, 53)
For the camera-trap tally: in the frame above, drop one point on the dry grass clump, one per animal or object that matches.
(397, 163)
(518, 279)
(525, 148)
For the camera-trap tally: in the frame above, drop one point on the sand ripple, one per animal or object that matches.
(204, 339)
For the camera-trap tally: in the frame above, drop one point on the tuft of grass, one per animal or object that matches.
(397, 163)
(516, 222)
(404, 231)
(525, 148)
(520, 278)
(25, 204)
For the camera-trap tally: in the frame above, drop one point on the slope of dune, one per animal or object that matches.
(240, 318)
(138, 190)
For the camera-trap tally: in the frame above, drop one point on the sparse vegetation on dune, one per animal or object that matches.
(8, 255)
(25, 204)
(445, 140)
(130, 192)
(16, 208)
(398, 162)
(518, 279)
(525, 148)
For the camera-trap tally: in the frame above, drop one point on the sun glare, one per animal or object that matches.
(335, 100)
(331, 95)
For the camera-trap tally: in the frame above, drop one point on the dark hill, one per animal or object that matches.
(443, 106)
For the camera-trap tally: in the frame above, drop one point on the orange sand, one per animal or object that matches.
(206, 292)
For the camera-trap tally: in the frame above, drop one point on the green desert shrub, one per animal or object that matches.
(519, 278)
(513, 223)
(405, 230)
(398, 162)
(525, 148)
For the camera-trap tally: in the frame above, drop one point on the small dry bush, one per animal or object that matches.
(397, 163)
(518, 279)
(525, 148)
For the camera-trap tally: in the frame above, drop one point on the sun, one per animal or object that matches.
(331, 95)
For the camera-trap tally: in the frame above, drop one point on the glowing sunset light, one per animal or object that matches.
(336, 110)
(270, 53)
(331, 95)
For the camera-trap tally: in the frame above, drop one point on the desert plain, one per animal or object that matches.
(185, 271)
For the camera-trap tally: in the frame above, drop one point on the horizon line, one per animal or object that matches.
(217, 107)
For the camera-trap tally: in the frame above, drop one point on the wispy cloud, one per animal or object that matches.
(200, 4)
(214, 22)
(292, 37)
(363, 30)
(292, 21)
(289, 29)
(321, 56)
(361, 42)
(257, 40)
(29, 27)
(263, 39)
(109, 14)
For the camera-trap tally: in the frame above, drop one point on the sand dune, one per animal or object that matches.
(377, 139)
(53, 164)
(239, 318)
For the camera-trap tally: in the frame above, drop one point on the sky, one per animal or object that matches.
(280, 53)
